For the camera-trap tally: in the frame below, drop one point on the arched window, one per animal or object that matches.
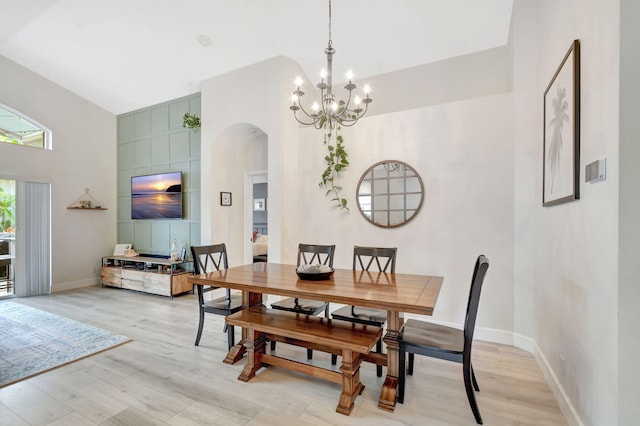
(17, 129)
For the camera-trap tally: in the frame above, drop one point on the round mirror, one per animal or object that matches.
(390, 193)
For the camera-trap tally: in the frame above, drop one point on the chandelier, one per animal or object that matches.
(329, 110)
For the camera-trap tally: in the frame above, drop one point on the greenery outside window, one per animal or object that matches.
(7, 205)
(17, 129)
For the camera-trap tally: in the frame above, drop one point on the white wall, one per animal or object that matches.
(629, 290)
(464, 153)
(251, 96)
(566, 256)
(83, 156)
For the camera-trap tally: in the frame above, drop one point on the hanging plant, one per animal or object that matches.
(336, 162)
(191, 121)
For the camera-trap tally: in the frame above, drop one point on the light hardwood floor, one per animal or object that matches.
(160, 378)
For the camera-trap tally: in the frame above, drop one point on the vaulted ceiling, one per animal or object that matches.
(127, 54)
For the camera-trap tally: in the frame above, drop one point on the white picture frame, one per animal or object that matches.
(259, 205)
(121, 249)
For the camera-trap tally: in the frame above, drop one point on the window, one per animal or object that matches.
(17, 129)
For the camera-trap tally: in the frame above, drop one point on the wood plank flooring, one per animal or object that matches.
(162, 379)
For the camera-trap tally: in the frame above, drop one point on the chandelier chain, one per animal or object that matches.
(330, 23)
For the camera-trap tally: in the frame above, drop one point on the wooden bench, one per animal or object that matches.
(353, 340)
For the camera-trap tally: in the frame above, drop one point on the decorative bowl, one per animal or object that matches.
(314, 272)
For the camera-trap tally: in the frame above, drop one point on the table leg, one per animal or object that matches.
(389, 392)
(236, 353)
(351, 385)
(255, 344)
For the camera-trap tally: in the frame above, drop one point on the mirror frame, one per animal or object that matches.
(370, 171)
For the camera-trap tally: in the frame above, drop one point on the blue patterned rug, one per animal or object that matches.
(33, 341)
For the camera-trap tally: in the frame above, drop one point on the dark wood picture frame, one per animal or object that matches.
(225, 198)
(561, 141)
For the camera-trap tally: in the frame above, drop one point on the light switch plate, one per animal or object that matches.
(596, 171)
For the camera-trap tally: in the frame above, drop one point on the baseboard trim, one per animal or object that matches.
(70, 285)
(530, 345)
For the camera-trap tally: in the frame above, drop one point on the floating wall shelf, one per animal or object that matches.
(86, 208)
(86, 202)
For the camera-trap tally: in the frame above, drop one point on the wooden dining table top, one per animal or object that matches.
(389, 291)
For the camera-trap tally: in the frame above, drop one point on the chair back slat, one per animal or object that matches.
(215, 254)
(369, 255)
(479, 272)
(361, 254)
(321, 254)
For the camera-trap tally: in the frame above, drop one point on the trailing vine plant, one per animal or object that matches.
(336, 160)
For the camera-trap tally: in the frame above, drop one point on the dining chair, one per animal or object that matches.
(447, 343)
(384, 259)
(205, 259)
(308, 254)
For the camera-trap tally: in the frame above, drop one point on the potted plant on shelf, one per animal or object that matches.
(191, 121)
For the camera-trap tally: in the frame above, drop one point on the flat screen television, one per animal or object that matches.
(157, 196)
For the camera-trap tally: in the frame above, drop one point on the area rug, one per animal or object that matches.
(33, 341)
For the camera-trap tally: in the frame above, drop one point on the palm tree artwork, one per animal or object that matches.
(560, 116)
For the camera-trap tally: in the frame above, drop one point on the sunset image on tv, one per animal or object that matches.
(157, 196)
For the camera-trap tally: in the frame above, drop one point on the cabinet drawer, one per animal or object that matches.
(110, 276)
(132, 275)
(157, 283)
(133, 284)
(179, 283)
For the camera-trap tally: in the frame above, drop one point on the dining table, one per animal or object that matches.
(397, 293)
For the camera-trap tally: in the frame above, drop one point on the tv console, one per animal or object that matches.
(148, 274)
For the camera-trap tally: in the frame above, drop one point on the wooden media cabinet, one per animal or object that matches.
(153, 275)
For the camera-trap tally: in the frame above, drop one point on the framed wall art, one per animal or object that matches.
(225, 198)
(561, 144)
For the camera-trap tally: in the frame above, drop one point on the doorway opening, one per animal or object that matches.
(260, 222)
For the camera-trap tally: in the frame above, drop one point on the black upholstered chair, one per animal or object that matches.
(206, 258)
(451, 344)
(384, 260)
(308, 254)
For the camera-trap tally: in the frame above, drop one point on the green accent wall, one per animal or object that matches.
(152, 140)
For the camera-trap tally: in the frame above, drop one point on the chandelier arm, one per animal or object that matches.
(348, 122)
(322, 108)
(311, 116)
(345, 107)
(304, 123)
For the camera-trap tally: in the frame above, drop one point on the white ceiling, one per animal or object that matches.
(128, 54)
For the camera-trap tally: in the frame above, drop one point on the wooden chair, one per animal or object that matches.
(214, 256)
(451, 344)
(308, 254)
(365, 257)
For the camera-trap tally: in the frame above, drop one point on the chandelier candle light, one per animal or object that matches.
(330, 111)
